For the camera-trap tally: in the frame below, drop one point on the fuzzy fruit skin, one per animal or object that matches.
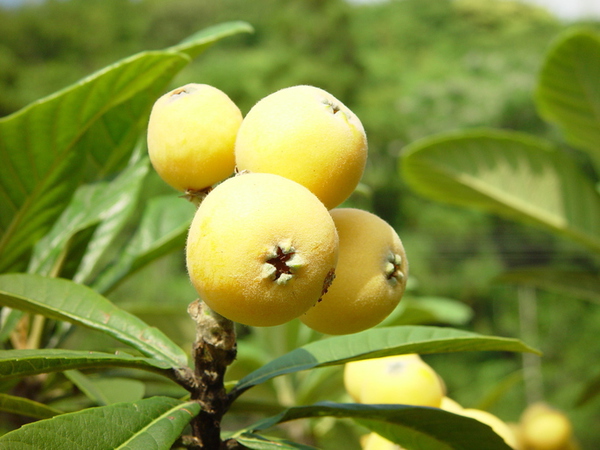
(236, 231)
(500, 428)
(297, 133)
(191, 136)
(400, 379)
(363, 293)
(545, 428)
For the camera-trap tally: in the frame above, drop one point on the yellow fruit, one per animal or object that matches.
(307, 135)
(499, 427)
(261, 249)
(399, 379)
(373, 441)
(191, 136)
(545, 428)
(370, 276)
(451, 405)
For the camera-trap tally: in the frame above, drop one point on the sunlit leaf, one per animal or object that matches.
(414, 427)
(162, 229)
(375, 343)
(150, 424)
(568, 91)
(25, 407)
(20, 363)
(509, 174)
(111, 202)
(49, 147)
(65, 300)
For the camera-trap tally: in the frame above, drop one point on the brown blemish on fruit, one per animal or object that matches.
(327, 283)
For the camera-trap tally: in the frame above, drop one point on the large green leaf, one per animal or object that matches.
(111, 202)
(571, 282)
(415, 427)
(49, 147)
(375, 343)
(25, 407)
(65, 300)
(150, 424)
(20, 363)
(162, 229)
(509, 174)
(568, 91)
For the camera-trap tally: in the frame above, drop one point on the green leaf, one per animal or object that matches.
(509, 174)
(415, 427)
(150, 424)
(20, 363)
(107, 391)
(375, 343)
(162, 229)
(49, 147)
(568, 91)
(257, 442)
(40, 173)
(429, 310)
(106, 202)
(25, 407)
(10, 319)
(65, 300)
(571, 282)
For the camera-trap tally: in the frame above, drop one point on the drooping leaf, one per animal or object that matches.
(111, 202)
(414, 427)
(375, 343)
(20, 363)
(509, 174)
(150, 424)
(568, 91)
(107, 391)
(25, 407)
(162, 229)
(49, 147)
(65, 300)
(571, 282)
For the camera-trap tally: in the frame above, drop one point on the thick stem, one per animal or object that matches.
(214, 350)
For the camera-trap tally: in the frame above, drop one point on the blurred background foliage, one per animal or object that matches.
(408, 69)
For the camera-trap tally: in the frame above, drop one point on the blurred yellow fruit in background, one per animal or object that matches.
(261, 249)
(191, 136)
(398, 379)
(370, 276)
(307, 135)
(545, 428)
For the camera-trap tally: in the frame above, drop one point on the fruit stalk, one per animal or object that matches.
(214, 349)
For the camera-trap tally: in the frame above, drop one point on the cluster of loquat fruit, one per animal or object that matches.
(408, 380)
(271, 243)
